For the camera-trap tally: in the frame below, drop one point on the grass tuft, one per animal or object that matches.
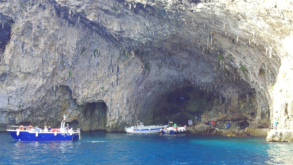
(220, 57)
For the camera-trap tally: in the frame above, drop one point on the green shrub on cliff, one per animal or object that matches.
(83, 49)
(146, 66)
(243, 69)
(126, 54)
(220, 57)
(95, 51)
(114, 8)
(69, 73)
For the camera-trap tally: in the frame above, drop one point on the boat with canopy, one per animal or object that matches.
(31, 134)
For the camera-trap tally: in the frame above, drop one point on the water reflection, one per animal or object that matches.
(280, 153)
(29, 151)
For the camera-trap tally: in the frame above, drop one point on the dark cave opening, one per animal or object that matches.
(185, 103)
(94, 116)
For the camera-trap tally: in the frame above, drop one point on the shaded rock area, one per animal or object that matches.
(110, 63)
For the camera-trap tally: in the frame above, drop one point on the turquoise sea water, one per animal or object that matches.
(122, 148)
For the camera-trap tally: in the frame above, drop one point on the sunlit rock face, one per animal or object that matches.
(116, 62)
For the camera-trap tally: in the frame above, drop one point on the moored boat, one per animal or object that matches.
(141, 128)
(30, 134)
(172, 129)
(56, 134)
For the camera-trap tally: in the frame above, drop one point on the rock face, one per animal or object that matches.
(280, 136)
(232, 132)
(110, 63)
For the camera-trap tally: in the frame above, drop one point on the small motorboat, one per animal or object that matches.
(172, 129)
(30, 134)
(141, 128)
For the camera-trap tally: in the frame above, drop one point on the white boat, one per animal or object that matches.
(140, 128)
(173, 130)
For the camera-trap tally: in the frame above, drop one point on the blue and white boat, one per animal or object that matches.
(140, 128)
(30, 134)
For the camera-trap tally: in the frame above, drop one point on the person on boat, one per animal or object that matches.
(49, 129)
(45, 129)
(195, 118)
(38, 129)
(67, 127)
(30, 127)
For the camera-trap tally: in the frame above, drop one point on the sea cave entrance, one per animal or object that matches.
(183, 104)
(93, 116)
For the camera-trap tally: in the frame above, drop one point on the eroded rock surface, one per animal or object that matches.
(280, 136)
(120, 60)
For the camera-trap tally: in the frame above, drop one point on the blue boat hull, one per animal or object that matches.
(43, 137)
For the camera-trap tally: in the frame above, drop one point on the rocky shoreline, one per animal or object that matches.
(232, 132)
(280, 136)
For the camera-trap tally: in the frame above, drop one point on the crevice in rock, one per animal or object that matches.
(6, 24)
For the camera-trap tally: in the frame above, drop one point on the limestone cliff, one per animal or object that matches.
(110, 63)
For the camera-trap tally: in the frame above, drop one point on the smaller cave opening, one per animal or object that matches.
(94, 116)
(73, 124)
(243, 124)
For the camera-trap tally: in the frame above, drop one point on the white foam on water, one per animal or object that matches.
(97, 141)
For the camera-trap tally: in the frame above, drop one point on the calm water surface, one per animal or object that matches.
(120, 148)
